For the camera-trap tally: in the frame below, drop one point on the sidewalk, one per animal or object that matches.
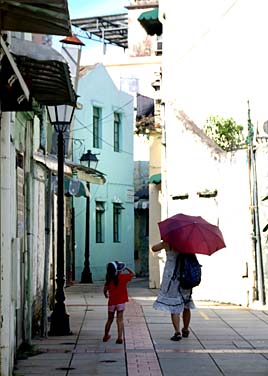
(224, 340)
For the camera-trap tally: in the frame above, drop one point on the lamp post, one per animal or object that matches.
(61, 117)
(86, 276)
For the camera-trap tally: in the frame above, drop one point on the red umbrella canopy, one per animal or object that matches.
(191, 234)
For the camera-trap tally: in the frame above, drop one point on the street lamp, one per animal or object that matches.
(86, 276)
(61, 117)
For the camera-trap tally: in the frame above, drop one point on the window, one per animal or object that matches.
(116, 132)
(99, 222)
(117, 221)
(96, 127)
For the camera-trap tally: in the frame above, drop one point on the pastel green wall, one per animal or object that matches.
(96, 88)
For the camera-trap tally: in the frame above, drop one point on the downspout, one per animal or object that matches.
(259, 258)
(29, 231)
(48, 202)
(253, 238)
(43, 129)
(258, 287)
(44, 324)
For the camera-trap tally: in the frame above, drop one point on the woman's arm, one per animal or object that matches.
(159, 246)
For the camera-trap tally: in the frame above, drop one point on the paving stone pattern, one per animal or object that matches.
(225, 340)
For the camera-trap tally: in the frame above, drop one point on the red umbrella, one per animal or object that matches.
(191, 234)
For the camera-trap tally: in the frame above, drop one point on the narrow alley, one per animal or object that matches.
(225, 340)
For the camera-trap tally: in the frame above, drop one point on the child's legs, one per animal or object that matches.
(109, 323)
(120, 323)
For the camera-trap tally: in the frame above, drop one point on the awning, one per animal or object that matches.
(72, 187)
(149, 20)
(118, 206)
(142, 193)
(45, 72)
(155, 179)
(141, 204)
(75, 187)
(100, 207)
(145, 106)
(39, 16)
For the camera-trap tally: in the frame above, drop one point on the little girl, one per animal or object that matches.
(115, 289)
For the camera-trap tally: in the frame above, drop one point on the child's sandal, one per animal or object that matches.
(185, 333)
(176, 337)
(119, 341)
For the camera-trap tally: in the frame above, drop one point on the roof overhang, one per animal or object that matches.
(84, 173)
(45, 72)
(39, 16)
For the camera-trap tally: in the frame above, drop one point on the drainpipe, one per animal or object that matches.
(43, 129)
(259, 258)
(259, 286)
(44, 324)
(29, 231)
(254, 253)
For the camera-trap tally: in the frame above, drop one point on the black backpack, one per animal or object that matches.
(190, 271)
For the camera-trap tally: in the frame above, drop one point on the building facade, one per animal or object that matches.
(202, 85)
(104, 126)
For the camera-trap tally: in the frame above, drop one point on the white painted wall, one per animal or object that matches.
(215, 56)
(214, 61)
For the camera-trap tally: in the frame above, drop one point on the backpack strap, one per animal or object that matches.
(174, 275)
(185, 301)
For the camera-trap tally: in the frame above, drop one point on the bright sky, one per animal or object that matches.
(91, 8)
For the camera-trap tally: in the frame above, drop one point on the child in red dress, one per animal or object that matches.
(115, 289)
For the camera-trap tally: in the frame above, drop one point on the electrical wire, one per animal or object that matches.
(104, 117)
(87, 127)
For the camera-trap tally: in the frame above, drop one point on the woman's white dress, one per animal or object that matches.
(172, 298)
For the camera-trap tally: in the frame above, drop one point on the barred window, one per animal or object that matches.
(100, 222)
(96, 127)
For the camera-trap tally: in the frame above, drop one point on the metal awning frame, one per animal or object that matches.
(111, 29)
(42, 73)
(15, 68)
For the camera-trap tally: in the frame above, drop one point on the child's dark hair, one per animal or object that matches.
(111, 274)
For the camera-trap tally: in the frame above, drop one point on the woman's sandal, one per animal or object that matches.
(106, 338)
(185, 332)
(176, 337)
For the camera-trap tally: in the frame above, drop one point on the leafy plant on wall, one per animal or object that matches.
(226, 133)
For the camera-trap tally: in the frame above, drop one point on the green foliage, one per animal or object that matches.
(225, 132)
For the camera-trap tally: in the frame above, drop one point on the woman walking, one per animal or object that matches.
(115, 290)
(172, 298)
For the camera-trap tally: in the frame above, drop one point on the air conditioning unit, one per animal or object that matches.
(158, 49)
